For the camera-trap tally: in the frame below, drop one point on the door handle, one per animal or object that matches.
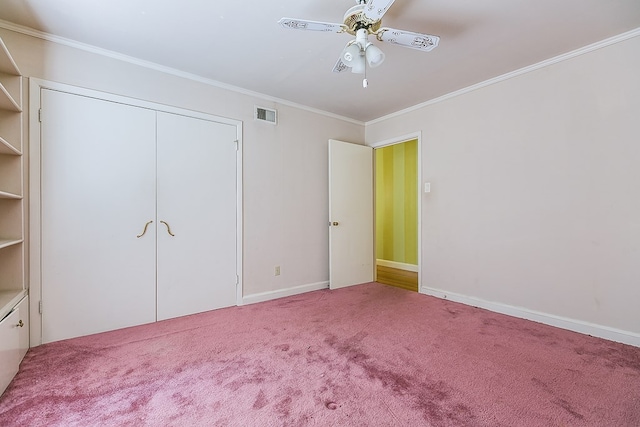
(145, 229)
(168, 228)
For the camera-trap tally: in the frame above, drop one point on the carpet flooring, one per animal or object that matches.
(368, 355)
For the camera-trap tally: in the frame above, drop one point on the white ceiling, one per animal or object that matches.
(240, 43)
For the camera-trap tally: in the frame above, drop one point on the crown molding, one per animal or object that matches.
(164, 69)
(560, 58)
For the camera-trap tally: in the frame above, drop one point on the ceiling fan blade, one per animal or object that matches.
(340, 66)
(375, 9)
(424, 42)
(302, 24)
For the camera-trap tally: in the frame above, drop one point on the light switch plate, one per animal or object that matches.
(427, 187)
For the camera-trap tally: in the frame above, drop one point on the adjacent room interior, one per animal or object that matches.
(202, 224)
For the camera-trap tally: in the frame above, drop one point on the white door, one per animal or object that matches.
(196, 215)
(98, 192)
(351, 249)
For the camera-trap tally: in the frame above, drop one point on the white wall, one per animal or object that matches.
(535, 195)
(285, 166)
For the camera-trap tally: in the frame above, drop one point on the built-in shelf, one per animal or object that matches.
(7, 64)
(8, 300)
(5, 195)
(13, 288)
(7, 101)
(8, 149)
(5, 243)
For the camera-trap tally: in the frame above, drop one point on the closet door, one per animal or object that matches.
(98, 192)
(196, 215)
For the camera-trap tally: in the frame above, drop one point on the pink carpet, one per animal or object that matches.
(369, 355)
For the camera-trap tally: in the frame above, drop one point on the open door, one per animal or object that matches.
(351, 252)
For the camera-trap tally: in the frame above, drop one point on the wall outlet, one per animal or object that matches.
(277, 271)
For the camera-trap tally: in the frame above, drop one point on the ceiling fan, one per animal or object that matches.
(362, 20)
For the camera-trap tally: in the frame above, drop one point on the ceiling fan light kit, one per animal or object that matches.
(361, 20)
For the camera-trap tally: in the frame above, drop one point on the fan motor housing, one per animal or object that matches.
(355, 19)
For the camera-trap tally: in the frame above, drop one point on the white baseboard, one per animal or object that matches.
(281, 293)
(398, 265)
(587, 328)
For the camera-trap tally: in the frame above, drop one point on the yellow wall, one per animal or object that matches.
(396, 203)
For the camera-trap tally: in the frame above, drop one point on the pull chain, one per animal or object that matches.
(365, 82)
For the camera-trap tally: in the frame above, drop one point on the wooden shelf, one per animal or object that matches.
(5, 195)
(5, 243)
(7, 64)
(7, 101)
(8, 300)
(8, 149)
(10, 81)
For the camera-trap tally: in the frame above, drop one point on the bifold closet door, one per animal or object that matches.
(98, 192)
(197, 214)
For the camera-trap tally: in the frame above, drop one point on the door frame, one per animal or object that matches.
(393, 141)
(34, 206)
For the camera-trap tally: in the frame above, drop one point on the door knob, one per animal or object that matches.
(335, 223)
(20, 324)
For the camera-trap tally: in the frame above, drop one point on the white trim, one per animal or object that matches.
(397, 140)
(239, 214)
(164, 69)
(580, 326)
(547, 62)
(397, 265)
(35, 225)
(36, 84)
(281, 293)
(35, 200)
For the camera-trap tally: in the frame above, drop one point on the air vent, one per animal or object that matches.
(266, 115)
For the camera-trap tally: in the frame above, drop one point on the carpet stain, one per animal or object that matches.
(562, 403)
(452, 312)
(433, 399)
(433, 402)
(567, 407)
(261, 400)
(282, 347)
(349, 348)
(283, 407)
(331, 405)
(611, 355)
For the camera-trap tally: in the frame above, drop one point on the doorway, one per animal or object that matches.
(396, 213)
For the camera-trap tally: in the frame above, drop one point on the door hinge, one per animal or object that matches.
(40, 307)
(237, 279)
(40, 115)
(237, 144)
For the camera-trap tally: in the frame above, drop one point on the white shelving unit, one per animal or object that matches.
(14, 318)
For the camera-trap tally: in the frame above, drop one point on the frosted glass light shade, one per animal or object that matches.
(357, 66)
(351, 54)
(374, 55)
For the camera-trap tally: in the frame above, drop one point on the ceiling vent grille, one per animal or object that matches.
(266, 115)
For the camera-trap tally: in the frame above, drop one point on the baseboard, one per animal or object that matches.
(398, 265)
(281, 293)
(587, 328)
